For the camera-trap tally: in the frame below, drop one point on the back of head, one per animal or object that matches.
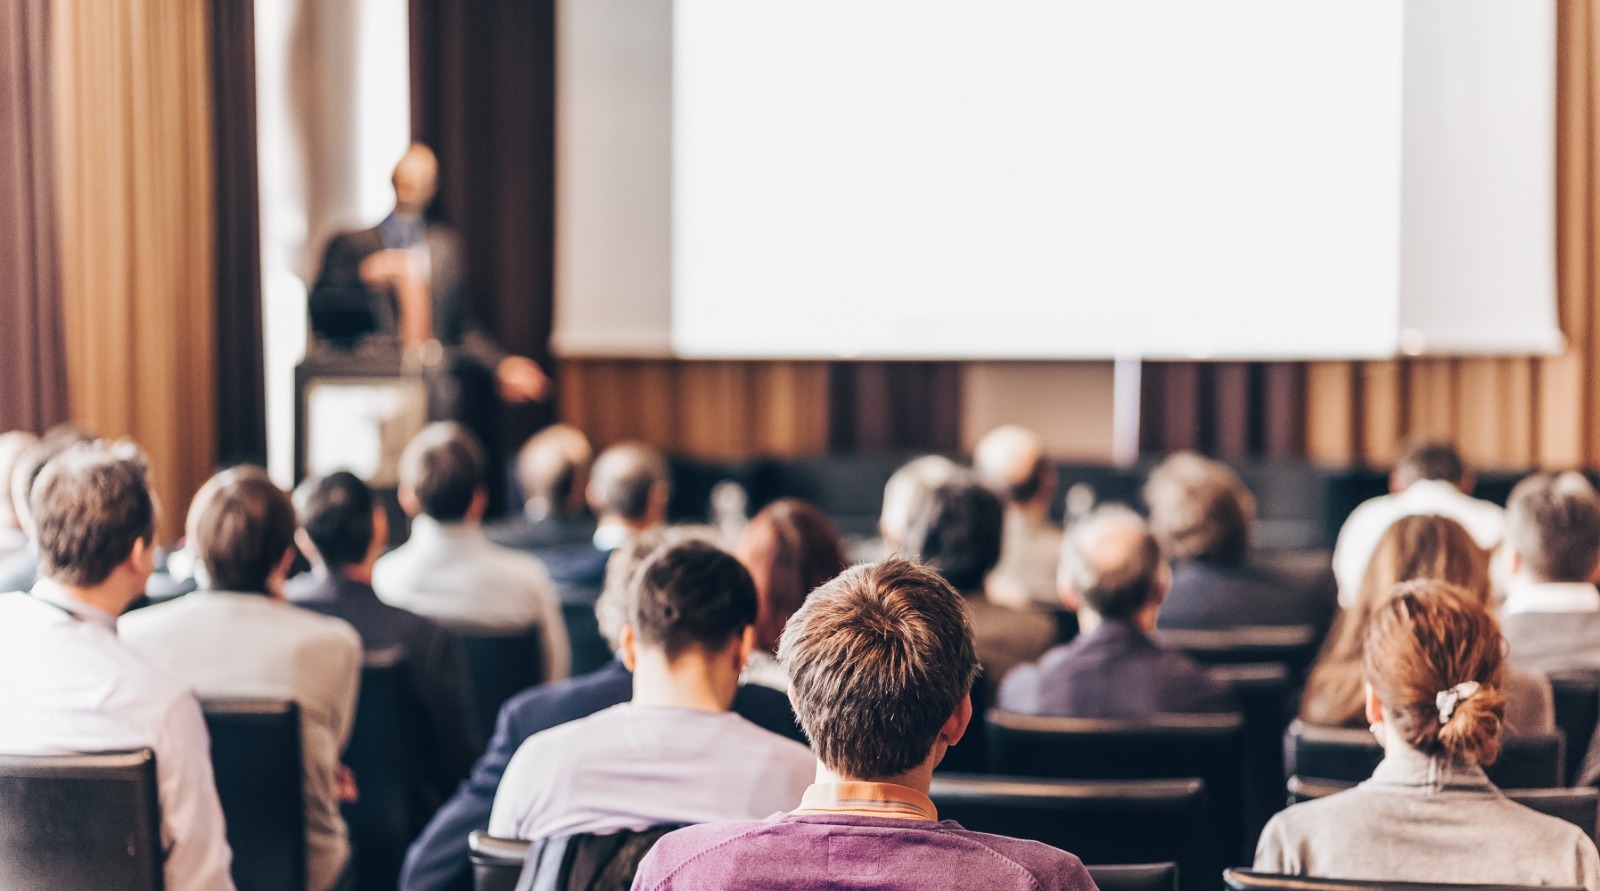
(878, 660)
(1199, 508)
(790, 547)
(1431, 460)
(1429, 638)
(611, 608)
(336, 513)
(12, 446)
(957, 530)
(240, 527)
(90, 504)
(1011, 460)
(629, 480)
(552, 467)
(442, 467)
(691, 594)
(31, 462)
(1113, 562)
(906, 489)
(1553, 523)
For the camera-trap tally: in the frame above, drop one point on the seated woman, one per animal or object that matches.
(1434, 662)
(790, 549)
(1420, 547)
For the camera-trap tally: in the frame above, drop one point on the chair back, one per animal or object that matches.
(255, 754)
(1250, 880)
(1263, 691)
(1291, 645)
(1139, 877)
(384, 755)
(501, 667)
(496, 862)
(80, 821)
(583, 862)
(1579, 806)
(1350, 754)
(1577, 701)
(1101, 821)
(589, 648)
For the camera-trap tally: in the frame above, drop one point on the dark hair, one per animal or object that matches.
(1199, 509)
(90, 504)
(443, 466)
(691, 594)
(790, 548)
(1117, 584)
(1026, 489)
(878, 660)
(336, 513)
(1553, 522)
(241, 524)
(956, 531)
(1431, 460)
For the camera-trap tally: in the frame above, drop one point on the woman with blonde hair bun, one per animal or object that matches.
(1433, 663)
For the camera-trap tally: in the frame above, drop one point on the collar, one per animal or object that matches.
(1407, 770)
(1431, 492)
(610, 535)
(863, 799)
(425, 528)
(1551, 597)
(1119, 630)
(47, 591)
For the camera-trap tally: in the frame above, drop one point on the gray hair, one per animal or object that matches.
(1114, 577)
(1553, 523)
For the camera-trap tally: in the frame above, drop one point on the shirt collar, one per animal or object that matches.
(610, 536)
(1431, 492)
(1408, 770)
(424, 528)
(49, 592)
(862, 799)
(1551, 597)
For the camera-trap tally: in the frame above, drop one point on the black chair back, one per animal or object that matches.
(1292, 645)
(1250, 880)
(255, 753)
(583, 862)
(1351, 754)
(1577, 702)
(501, 667)
(589, 648)
(1264, 699)
(1580, 807)
(80, 821)
(1131, 821)
(1139, 877)
(496, 862)
(390, 807)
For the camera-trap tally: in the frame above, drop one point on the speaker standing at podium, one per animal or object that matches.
(401, 282)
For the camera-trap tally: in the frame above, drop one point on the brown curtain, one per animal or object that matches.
(1231, 410)
(132, 84)
(33, 374)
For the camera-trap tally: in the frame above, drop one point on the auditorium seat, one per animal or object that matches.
(255, 753)
(1579, 806)
(80, 821)
(1101, 821)
(383, 756)
(1140, 877)
(1350, 754)
(501, 667)
(1250, 880)
(583, 862)
(1292, 645)
(589, 648)
(1577, 701)
(1263, 691)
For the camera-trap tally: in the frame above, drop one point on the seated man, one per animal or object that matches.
(448, 570)
(674, 753)
(237, 637)
(1551, 617)
(881, 661)
(342, 532)
(1011, 461)
(1114, 669)
(72, 686)
(552, 470)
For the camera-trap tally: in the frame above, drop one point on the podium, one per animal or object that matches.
(356, 410)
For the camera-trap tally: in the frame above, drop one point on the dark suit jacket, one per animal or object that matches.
(436, 668)
(538, 536)
(1114, 671)
(437, 860)
(1207, 595)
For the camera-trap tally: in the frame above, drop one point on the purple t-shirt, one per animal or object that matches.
(807, 851)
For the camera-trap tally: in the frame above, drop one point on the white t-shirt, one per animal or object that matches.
(631, 767)
(1358, 539)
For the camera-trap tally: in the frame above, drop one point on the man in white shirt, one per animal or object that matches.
(72, 686)
(238, 637)
(1431, 478)
(449, 570)
(675, 753)
(1551, 617)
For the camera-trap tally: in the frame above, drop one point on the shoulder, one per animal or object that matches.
(519, 563)
(701, 845)
(1050, 866)
(320, 630)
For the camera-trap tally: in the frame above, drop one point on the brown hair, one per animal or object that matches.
(90, 504)
(878, 659)
(240, 525)
(1553, 523)
(691, 594)
(790, 548)
(1199, 508)
(1431, 460)
(443, 467)
(1429, 637)
(1417, 547)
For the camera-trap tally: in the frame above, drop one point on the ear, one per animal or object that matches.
(1374, 707)
(1394, 483)
(660, 493)
(380, 532)
(141, 559)
(627, 647)
(956, 725)
(302, 540)
(280, 573)
(407, 497)
(1069, 596)
(479, 505)
(1163, 584)
(747, 645)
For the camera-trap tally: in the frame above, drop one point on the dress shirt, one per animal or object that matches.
(231, 645)
(1359, 537)
(1553, 626)
(453, 574)
(1030, 548)
(72, 686)
(1551, 597)
(865, 799)
(632, 767)
(1422, 819)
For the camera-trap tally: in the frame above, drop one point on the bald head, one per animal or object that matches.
(415, 179)
(1011, 460)
(907, 488)
(553, 470)
(630, 483)
(1112, 563)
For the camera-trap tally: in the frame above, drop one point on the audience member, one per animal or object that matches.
(1552, 609)
(20, 570)
(956, 530)
(1416, 547)
(1430, 478)
(1429, 814)
(237, 637)
(72, 686)
(1011, 461)
(449, 571)
(1114, 669)
(907, 488)
(552, 470)
(342, 531)
(437, 860)
(627, 492)
(675, 753)
(12, 447)
(1202, 515)
(881, 662)
(790, 547)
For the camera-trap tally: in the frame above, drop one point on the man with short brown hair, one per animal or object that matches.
(881, 663)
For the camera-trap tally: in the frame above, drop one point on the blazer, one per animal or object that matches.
(536, 537)
(1220, 594)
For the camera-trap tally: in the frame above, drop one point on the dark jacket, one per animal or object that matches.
(437, 860)
(1221, 594)
(538, 536)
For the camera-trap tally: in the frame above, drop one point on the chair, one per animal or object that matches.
(1250, 880)
(255, 754)
(589, 648)
(1140, 877)
(383, 753)
(1292, 645)
(1101, 821)
(583, 862)
(1580, 807)
(501, 667)
(1351, 754)
(496, 862)
(1577, 701)
(80, 821)
(1263, 691)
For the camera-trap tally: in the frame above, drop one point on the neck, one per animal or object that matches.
(357, 572)
(106, 597)
(695, 679)
(918, 779)
(1037, 511)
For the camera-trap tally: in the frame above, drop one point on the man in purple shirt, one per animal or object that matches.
(881, 663)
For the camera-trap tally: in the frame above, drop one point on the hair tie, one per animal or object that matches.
(1447, 700)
